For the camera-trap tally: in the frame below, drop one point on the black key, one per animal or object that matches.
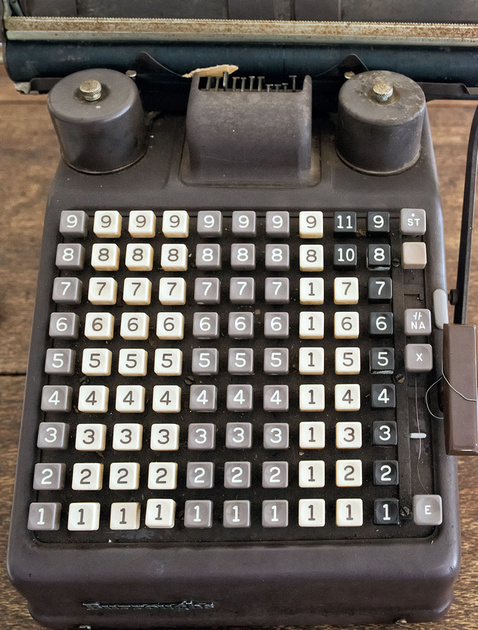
(378, 222)
(383, 397)
(379, 290)
(385, 473)
(345, 223)
(381, 324)
(384, 433)
(386, 512)
(345, 256)
(379, 256)
(382, 360)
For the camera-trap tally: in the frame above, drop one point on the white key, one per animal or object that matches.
(347, 397)
(83, 517)
(175, 224)
(312, 435)
(125, 516)
(162, 476)
(311, 325)
(348, 435)
(137, 291)
(105, 257)
(164, 437)
(168, 362)
(107, 224)
(90, 437)
(93, 399)
(172, 291)
(139, 257)
(87, 477)
(96, 362)
(311, 224)
(311, 512)
(99, 326)
(311, 397)
(349, 512)
(174, 257)
(102, 290)
(346, 290)
(170, 326)
(130, 398)
(160, 513)
(124, 476)
(134, 326)
(133, 362)
(166, 398)
(346, 325)
(311, 290)
(142, 224)
(347, 360)
(311, 257)
(348, 473)
(311, 360)
(312, 474)
(127, 436)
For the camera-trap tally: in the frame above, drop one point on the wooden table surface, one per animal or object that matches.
(28, 159)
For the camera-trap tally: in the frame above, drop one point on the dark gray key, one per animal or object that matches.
(237, 475)
(206, 325)
(277, 224)
(44, 516)
(276, 397)
(275, 513)
(276, 325)
(381, 324)
(277, 290)
(277, 257)
(276, 360)
(275, 474)
(385, 472)
(238, 435)
(276, 435)
(244, 223)
(243, 256)
(67, 290)
(241, 325)
(379, 256)
(60, 361)
(237, 514)
(200, 475)
(49, 477)
(198, 514)
(64, 326)
(207, 290)
(208, 256)
(53, 435)
(240, 361)
(418, 321)
(242, 291)
(56, 398)
(74, 223)
(205, 361)
(203, 398)
(209, 223)
(239, 398)
(70, 256)
(418, 357)
(201, 436)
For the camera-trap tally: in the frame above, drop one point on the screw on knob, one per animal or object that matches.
(90, 90)
(382, 91)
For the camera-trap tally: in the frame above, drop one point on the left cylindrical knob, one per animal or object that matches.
(99, 120)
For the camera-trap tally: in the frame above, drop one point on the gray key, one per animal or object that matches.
(276, 398)
(205, 361)
(240, 361)
(241, 325)
(427, 509)
(242, 291)
(418, 321)
(53, 435)
(67, 290)
(244, 223)
(277, 290)
(277, 224)
(208, 256)
(198, 514)
(238, 435)
(239, 398)
(413, 221)
(203, 398)
(237, 475)
(209, 223)
(276, 360)
(207, 290)
(206, 325)
(56, 398)
(275, 474)
(275, 513)
(237, 514)
(201, 436)
(70, 256)
(276, 435)
(49, 477)
(243, 256)
(64, 326)
(74, 223)
(200, 475)
(277, 257)
(60, 361)
(418, 357)
(44, 516)
(276, 325)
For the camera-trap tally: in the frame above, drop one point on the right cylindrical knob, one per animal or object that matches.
(380, 120)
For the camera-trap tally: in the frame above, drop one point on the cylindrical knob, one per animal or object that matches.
(380, 119)
(99, 120)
